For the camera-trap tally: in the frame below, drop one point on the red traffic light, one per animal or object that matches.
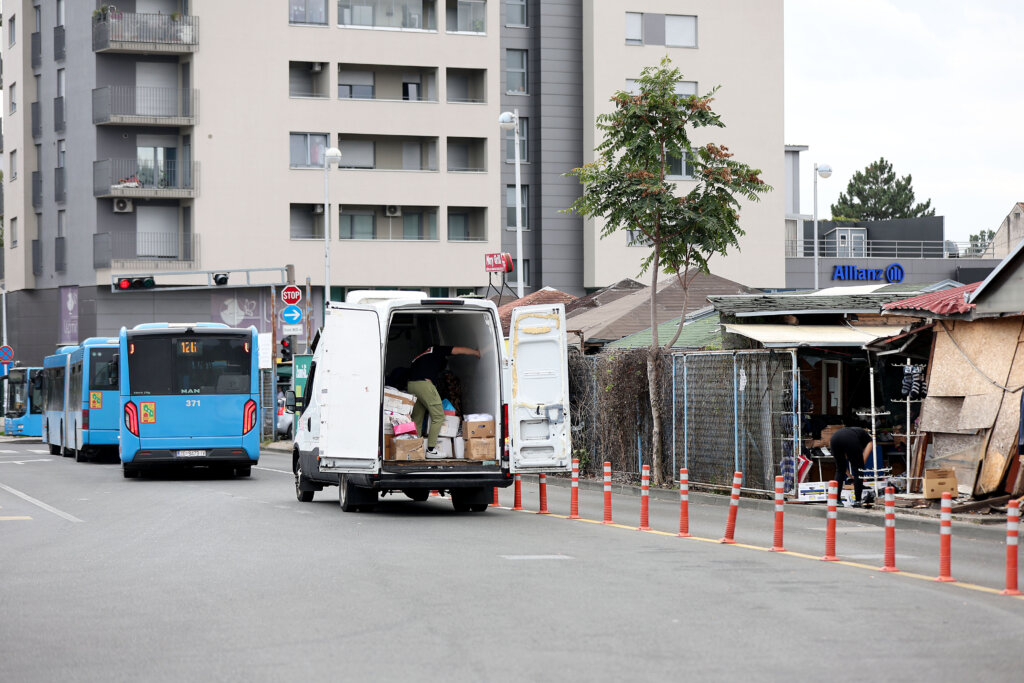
(124, 283)
(286, 343)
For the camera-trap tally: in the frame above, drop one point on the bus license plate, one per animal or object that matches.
(191, 454)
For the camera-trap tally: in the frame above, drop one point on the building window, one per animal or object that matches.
(12, 95)
(307, 11)
(632, 86)
(677, 170)
(680, 31)
(61, 151)
(357, 154)
(60, 12)
(61, 223)
(307, 149)
(12, 31)
(510, 206)
(419, 225)
(510, 141)
(634, 28)
(412, 89)
(467, 224)
(60, 83)
(357, 85)
(306, 221)
(515, 13)
(515, 72)
(636, 238)
(466, 16)
(13, 228)
(686, 88)
(12, 169)
(394, 14)
(357, 226)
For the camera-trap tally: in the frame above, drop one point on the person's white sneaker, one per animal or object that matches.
(434, 453)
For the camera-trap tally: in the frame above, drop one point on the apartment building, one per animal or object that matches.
(181, 138)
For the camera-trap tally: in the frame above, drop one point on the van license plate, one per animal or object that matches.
(190, 454)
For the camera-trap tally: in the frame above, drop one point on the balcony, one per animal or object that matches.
(116, 31)
(467, 155)
(37, 120)
(388, 153)
(390, 223)
(37, 50)
(390, 83)
(59, 188)
(138, 178)
(124, 105)
(58, 43)
(395, 15)
(58, 115)
(60, 261)
(467, 224)
(466, 86)
(145, 251)
(37, 190)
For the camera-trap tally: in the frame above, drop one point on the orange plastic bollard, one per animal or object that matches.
(1012, 537)
(543, 495)
(890, 530)
(734, 506)
(607, 493)
(780, 502)
(645, 494)
(574, 499)
(830, 526)
(945, 537)
(495, 503)
(518, 499)
(684, 503)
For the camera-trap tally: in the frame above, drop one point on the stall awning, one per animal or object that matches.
(787, 336)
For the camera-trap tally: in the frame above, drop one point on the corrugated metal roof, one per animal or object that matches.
(781, 304)
(947, 302)
(787, 336)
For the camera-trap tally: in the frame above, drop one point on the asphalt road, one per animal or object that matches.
(198, 578)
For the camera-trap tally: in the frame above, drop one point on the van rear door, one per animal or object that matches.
(350, 395)
(539, 409)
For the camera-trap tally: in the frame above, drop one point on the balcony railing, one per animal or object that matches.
(117, 31)
(58, 115)
(37, 190)
(37, 120)
(144, 106)
(59, 189)
(904, 249)
(145, 250)
(141, 178)
(58, 43)
(37, 50)
(60, 261)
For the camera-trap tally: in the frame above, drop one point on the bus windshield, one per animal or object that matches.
(167, 365)
(17, 391)
(35, 389)
(103, 369)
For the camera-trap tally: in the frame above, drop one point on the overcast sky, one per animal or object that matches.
(934, 86)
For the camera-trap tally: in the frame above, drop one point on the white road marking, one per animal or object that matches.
(6, 451)
(22, 462)
(271, 469)
(535, 557)
(39, 503)
(39, 450)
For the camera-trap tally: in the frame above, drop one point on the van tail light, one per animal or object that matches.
(85, 418)
(249, 416)
(131, 417)
(504, 421)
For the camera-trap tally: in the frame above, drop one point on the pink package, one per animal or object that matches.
(405, 428)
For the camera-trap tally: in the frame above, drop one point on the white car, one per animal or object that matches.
(284, 421)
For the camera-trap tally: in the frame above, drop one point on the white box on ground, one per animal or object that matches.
(811, 491)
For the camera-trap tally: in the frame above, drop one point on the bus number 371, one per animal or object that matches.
(192, 403)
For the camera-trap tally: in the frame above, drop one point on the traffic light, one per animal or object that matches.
(126, 283)
(286, 348)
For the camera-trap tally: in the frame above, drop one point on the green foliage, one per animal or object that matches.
(981, 241)
(877, 194)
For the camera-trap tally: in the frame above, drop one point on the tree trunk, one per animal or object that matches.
(654, 390)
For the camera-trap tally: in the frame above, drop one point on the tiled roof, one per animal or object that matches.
(783, 304)
(548, 295)
(947, 302)
(604, 296)
(697, 334)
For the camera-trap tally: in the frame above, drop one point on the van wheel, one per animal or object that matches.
(460, 506)
(300, 495)
(346, 495)
(419, 495)
(478, 507)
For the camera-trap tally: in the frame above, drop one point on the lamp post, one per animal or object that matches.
(510, 121)
(824, 170)
(331, 156)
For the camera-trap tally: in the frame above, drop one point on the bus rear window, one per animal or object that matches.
(169, 365)
(103, 369)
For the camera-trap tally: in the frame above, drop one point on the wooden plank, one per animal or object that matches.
(979, 411)
(981, 504)
(990, 345)
(942, 414)
(1003, 439)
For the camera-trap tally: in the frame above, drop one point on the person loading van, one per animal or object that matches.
(423, 375)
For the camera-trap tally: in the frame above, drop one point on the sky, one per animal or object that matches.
(934, 86)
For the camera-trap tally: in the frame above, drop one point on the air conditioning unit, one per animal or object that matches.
(318, 209)
(392, 210)
(317, 67)
(122, 205)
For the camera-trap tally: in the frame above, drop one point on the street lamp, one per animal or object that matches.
(510, 121)
(824, 170)
(331, 156)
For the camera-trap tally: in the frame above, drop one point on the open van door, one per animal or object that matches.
(539, 408)
(350, 390)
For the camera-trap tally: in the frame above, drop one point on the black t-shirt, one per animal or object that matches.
(850, 440)
(430, 364)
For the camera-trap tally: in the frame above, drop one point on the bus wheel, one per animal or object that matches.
(243, 471)
(81, 455)
(129, 471)
(54, 450)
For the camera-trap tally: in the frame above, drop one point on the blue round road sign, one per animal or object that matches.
(291, 315)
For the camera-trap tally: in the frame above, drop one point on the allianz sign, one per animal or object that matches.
(893, 273)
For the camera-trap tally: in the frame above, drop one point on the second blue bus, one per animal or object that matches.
(189, 396)
(24, 402)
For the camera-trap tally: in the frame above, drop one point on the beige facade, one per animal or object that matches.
(739, 46)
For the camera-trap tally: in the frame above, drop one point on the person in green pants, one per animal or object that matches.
(423, 376)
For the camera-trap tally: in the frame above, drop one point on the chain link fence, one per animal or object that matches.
(721, 412)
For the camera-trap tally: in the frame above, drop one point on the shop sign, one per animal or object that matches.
(893, 274)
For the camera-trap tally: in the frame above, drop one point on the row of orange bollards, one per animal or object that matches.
(889, 562)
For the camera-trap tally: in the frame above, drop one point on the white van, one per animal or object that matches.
(340, 433)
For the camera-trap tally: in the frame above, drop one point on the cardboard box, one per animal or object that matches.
(450, 427)
(938, 481)
(812, 491)
(480, 449)
(445, 447)
(483, 429)
(398, 401)
(389, 447)
(410, 449)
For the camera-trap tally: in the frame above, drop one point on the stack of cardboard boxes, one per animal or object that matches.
(400, 439)
(479, 436)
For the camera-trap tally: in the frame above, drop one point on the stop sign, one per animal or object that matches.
(291, 295)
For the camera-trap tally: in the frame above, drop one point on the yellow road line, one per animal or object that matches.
(858, 565)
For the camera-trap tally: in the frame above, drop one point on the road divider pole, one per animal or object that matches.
(518, 500)
(543, 495)
(830, 524)
(495, 503)
(734, 506)
(645, 493)
(945, 537)
(1012, 536)
(607, 493)
(574, 498)
(890, 530)
(684, 502)
(780, 502)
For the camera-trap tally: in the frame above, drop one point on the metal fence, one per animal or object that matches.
(268, 399)
(722, 412)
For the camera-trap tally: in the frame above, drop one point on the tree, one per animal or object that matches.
(626, 186)
(980, 242)
(876, 194)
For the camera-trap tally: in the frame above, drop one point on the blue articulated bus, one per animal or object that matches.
(57, 404)
(189, 397)
(24, 402)
(93, 398)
